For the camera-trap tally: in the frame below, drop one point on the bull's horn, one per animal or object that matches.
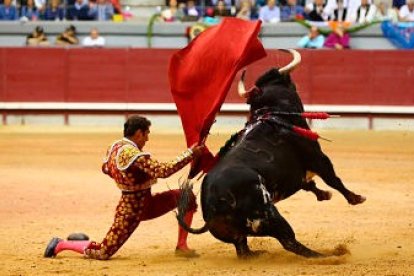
(241, 88)
(295, 62)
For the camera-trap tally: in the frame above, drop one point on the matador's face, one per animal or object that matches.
(141, 137)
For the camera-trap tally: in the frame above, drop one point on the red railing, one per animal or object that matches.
(114, 75)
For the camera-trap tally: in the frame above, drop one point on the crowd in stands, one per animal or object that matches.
(344, 12)
(57, 10)
(67, 38)
(210, 11)
(339, 15)
(274, 11)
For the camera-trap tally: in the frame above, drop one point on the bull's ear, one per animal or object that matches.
(292, 65)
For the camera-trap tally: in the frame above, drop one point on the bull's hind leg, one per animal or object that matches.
(280, 229)
(320, 194)
(323, 167)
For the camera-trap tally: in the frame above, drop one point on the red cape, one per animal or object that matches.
(201, 75)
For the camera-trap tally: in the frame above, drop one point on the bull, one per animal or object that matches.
(268, 161)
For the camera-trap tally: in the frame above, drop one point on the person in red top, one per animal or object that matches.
(134, 172)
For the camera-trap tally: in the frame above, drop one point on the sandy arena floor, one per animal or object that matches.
(51, 185)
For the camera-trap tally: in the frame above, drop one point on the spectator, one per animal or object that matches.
(407, 11)
(397, 4)
(317, 11)
(330, 5)
(68, 37)
(340, 12)
(173, 12)
(364, 14)
(270, 13)
(221, 10)
(208, 19)
(191, 10)
(37, 38)
(40, 4)
(102, 10)
(238, 3)
(384, 12)
(29, 11)
(246, 11)
(313, 39)
(54, 11)
(78, 11)
(291, 11)
(338, 39)
(260, 3)
(387, 2)
(352, 6)
(8, 11)
(94, 39)
(227, 3)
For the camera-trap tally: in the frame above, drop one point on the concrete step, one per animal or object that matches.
(141, 14)
(142, 10)
(143, 2)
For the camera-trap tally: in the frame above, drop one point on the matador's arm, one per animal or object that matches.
(155, 169)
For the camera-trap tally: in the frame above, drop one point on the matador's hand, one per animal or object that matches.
(197, 150)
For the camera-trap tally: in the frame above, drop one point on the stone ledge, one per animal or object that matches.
(172, 35)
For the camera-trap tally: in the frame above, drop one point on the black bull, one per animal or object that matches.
(268, 162)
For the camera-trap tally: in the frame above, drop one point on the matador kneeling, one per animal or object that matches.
(134, 172)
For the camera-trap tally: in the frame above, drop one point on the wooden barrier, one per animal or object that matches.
(128, 78)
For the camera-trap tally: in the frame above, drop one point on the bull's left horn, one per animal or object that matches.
(241, 88)
(292, 65)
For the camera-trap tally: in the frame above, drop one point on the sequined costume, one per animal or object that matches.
(134, 172)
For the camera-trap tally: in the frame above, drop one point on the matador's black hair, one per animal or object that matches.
(134, 123)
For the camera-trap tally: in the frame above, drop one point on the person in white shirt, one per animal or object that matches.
(365, 13)
(352, 6)
(40, 4)
(385, 12)
(270, 13)
(407, 11)
(338, 10)
(93, 40)
(319, 10)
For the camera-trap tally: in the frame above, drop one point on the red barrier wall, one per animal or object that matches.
(140, 76)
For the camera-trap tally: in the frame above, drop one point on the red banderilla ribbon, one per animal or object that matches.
(306, 115)
(315, 115)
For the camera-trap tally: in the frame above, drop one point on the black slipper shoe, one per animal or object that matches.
(50, 249)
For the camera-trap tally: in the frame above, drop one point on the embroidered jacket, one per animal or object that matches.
(134, 170)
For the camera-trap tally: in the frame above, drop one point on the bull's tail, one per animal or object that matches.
(186, 191)
(189, 229)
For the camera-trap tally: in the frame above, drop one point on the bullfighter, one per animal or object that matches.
(134, 172)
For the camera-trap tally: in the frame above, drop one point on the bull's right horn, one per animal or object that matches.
(241, 88)
(295, 62)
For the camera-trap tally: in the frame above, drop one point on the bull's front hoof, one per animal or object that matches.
(324, 195)
(355, 199)
(316, 255)
(50, 248)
